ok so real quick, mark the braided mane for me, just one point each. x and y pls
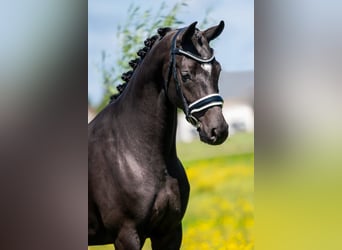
(135, 62)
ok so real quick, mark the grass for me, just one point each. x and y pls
(235, 145)
(220, 213)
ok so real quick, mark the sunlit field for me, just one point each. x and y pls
(220, 213)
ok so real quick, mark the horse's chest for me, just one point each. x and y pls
(167, 205)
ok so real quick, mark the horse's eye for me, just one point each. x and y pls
(185, 76)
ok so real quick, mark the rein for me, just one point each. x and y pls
(201, 104)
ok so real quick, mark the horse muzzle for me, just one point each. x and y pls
(213, 129)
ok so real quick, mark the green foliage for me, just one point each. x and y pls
(140, 24)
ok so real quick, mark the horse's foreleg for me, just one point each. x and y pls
(127, 239)
(169, 241)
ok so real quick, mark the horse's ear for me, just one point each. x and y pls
(189, 32)
(214, 32)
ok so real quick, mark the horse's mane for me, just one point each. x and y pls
(135, 62)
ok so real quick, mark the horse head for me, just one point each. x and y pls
(192, 81)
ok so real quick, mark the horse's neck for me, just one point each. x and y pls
(148, 111)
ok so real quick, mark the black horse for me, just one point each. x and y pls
(138, 188)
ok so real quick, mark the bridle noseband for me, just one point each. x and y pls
(201, 104)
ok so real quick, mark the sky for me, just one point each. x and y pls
(234, 48)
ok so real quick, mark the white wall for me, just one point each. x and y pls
(240, 118)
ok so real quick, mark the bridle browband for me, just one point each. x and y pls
(201, 104)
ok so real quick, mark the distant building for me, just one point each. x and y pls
(238, 115)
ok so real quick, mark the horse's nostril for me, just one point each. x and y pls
(213, 132)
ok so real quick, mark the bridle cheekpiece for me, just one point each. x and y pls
(201, 104)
